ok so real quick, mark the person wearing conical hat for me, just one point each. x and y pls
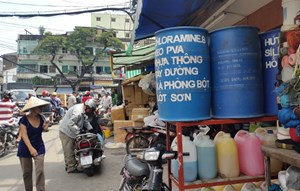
(31, 146)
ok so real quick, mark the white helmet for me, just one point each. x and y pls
(90, 104)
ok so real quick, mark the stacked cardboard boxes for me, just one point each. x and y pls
(133, 95)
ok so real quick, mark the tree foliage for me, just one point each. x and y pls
(82, 43)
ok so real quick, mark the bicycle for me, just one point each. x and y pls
(139, 139)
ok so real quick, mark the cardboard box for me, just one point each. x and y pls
(117, 113)
(138, 94)
(137, 118)
(120, 134)
(128, 93)
(63, 99)
(140, 111)
(138, 123)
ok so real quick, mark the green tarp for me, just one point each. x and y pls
(139, 56)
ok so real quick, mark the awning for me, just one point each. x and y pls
(64, 90)
(40, 90)
(143, 55)
(154, 15)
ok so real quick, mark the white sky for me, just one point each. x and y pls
(10, 27)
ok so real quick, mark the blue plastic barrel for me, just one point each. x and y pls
(270, 56)
(237, 81)
(182, 69)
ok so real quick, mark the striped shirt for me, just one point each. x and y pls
(7, 109)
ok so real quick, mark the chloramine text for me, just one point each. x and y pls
(180, 38)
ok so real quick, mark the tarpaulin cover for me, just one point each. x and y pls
(160, 14)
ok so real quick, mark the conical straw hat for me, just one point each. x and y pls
(34, 102)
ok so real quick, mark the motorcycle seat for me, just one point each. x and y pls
(136, 167)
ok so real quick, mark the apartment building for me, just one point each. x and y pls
(37, 69)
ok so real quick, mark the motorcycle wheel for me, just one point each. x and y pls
(136, 144)
(2, 146)
(122, 185)
(89, 171)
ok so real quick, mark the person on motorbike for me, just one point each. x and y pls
(74, 122)
(86, 96)
(7, 109)
(56, 105)
(47, 110)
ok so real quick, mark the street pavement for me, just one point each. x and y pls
(107, 179)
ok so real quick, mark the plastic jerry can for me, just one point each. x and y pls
(249, 186)
(189, 162)
(227, 155)
(218, 188)
(229, 188)
(260, 132)
(249, 151)
(269, 140)
(238, 187)
(206, 156)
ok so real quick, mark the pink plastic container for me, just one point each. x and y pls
(249, 152)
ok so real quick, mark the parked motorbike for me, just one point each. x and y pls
(88, 152)
(8, 138)
(138, 176)
(135, 172)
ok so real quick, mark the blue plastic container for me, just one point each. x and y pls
(237, 81)
(270, 56)
(206, 156)
(182, 68)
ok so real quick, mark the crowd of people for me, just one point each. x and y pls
(80, 109)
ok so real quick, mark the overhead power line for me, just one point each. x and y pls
(66, 13)
(37, 5)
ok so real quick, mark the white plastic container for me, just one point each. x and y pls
(249, 186)
(229, 188)
(189, 162)
(268, 138)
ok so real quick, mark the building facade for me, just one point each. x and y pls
(120, 23)
(38, 70)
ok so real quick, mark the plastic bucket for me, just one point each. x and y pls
(106, 133)
(237, 82)
(182, 69)
(270, 56)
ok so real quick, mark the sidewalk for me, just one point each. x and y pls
(56, 178)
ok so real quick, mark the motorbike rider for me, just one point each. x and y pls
(74, 122)
(7, 108)
(47, 110)
(86, 96)
(56, 105)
